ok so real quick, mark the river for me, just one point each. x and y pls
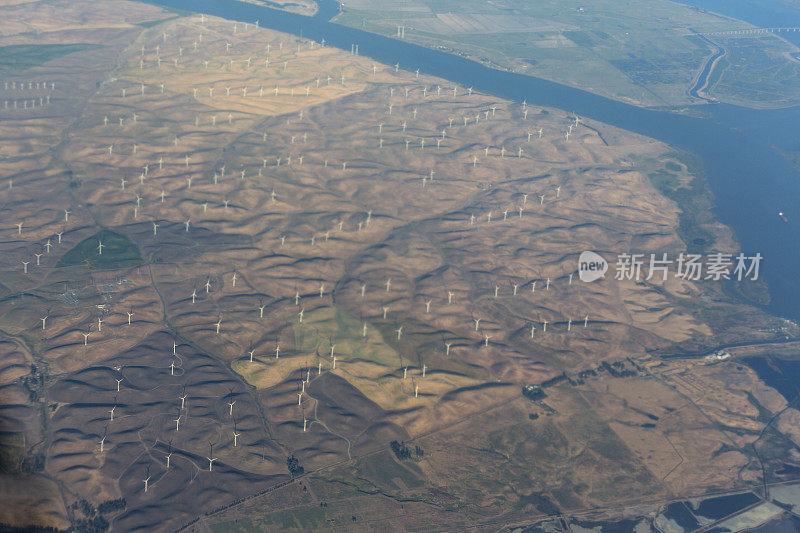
(761, 13)
(750, 179)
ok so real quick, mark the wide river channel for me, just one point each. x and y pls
(750, 179)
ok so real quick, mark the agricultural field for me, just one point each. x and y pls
(772, 70)
(644, 52)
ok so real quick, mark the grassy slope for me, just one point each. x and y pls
(118, 252)
(20, 57)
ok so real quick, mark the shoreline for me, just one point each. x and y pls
(691, 89)
(731, 159)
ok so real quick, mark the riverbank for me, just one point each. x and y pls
(748, 178)
(307, 8)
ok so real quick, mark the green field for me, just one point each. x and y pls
(645, 52)
(771, 80)
(695, 206)
(151, 23)
(332, 325)
(387, 474)
(20, 57)
(118, 252)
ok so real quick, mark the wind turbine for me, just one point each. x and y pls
(211, 458)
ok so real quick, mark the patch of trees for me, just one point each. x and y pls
(33, 463)
(533, 392)
(34, 383)
(403, 452)
(112, 506)
(84, 507)
(293, 464)
(581, 377)
(92, 520)
(96, 524)
(400, 450)
(617, 369)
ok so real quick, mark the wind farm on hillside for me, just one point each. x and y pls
(245, 274)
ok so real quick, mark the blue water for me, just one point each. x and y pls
(702, 79)
(751, 181)
(761, 13)
(679, 513)
(722, 506)
(782, 375)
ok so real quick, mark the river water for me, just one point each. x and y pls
(761, 13)
(750, 179)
